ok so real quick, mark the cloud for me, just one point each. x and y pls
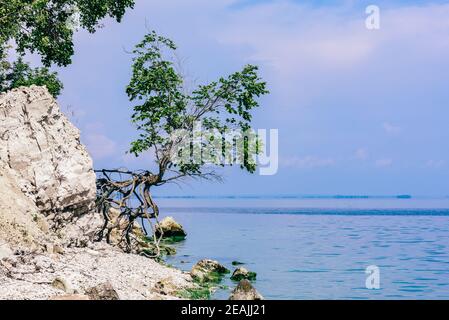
(383, 163)
(146, 159)
(339, 81)
(361, 154)
(308, 49)
(390, 128)
(100, 146)
(307, 162)
(435, 164)
(290, 35)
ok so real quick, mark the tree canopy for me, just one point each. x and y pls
(164, 106)
(46, 28)
(166, 114)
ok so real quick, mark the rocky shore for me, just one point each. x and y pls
(77, 273)
(47, 215)
(49, 223)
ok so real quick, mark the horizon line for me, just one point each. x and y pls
(302, 196)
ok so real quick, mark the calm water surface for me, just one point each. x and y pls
(321, 251)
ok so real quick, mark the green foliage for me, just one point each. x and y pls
(173, 239)
(250, 276)
(159, 86)
(21, 74)
(164, 105)
(200, 293)
(46, 27)
(204, 286)
(165, 250)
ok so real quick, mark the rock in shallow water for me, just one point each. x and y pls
(208, 271)
(169, 228)
(242, 273)
(245, 291)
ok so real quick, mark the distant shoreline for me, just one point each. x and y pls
(313, 211)
(404, 197)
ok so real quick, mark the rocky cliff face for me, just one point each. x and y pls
(47, 173)
(18, 217)
(43, 149)
(47, 192)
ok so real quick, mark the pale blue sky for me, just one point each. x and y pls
(358, 111)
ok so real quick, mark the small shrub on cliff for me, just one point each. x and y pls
(21, 74)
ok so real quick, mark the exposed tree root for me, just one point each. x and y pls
(129, 193)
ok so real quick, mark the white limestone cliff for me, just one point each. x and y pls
(47, 175)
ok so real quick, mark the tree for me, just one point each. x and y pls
(46, 27)
(21, 74)
(166, 114)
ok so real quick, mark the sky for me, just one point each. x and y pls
(359, 112)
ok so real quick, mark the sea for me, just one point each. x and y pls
(320, 247)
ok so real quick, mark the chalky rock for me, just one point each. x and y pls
(46, 175)
(43, 150)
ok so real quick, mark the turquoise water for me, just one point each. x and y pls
(320, 248)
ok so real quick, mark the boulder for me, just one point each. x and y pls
(18, 227)
(43, 149)
(208, 271)
(46, 174)
(242, 273)
(54, 248)
(169, 228)
(165, 287)
(245, 291)
(140, 243)
(103, 291)
(5, 251)
(62, 284)
(82, 230)
(117, 225)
